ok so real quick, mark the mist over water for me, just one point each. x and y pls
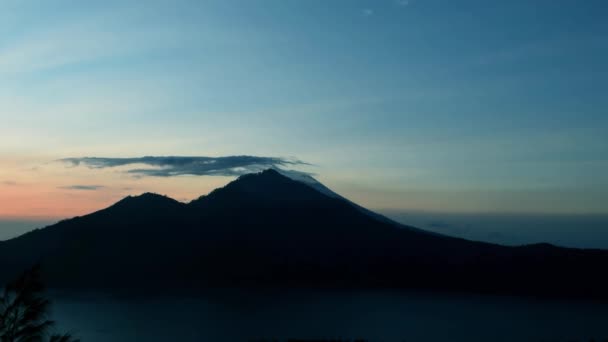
(13, 228)
(579, 231)
(231, 315)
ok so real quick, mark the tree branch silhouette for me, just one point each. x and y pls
(24, 311)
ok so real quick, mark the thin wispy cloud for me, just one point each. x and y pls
(367, 12)
(106, 35)
(73, 44)
(171, 166)
(82, 187)
(403, 3)
(9, 183)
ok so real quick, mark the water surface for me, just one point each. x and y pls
(375, 316)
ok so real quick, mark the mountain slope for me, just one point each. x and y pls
(310, 181)
(267, 229)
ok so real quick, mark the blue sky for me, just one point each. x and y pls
(452, 106)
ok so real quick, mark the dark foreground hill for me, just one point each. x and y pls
(267, 230)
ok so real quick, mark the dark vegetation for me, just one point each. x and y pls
(309, 340)
(267, 230)
(24, 311)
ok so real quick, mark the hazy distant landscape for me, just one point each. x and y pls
(13, 228)
(581, 231)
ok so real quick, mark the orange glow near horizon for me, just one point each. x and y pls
(48, 202)
(43, 191)
(31, 190)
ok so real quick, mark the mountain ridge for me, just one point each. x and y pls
(266, 229)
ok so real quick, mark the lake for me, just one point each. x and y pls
(373, 315)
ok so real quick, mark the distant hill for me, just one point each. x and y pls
(269, 230)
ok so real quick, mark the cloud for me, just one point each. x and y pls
(9, 183)
(368, 12)
(170, 166)
(82, 187)
(402, 3)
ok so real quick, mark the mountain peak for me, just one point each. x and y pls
(147, 196)
(267, 174)
(271, 172)
(147, 199)
(268, 186)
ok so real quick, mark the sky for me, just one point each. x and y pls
(419, 105)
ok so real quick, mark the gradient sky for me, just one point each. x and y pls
(451, 106)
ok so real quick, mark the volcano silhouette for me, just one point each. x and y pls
(269, 230)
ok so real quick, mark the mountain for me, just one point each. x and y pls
(269, 230)
(310, 181)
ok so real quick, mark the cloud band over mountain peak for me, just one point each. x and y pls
(170, 166)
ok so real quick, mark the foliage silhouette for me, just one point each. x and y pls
(24, 311)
